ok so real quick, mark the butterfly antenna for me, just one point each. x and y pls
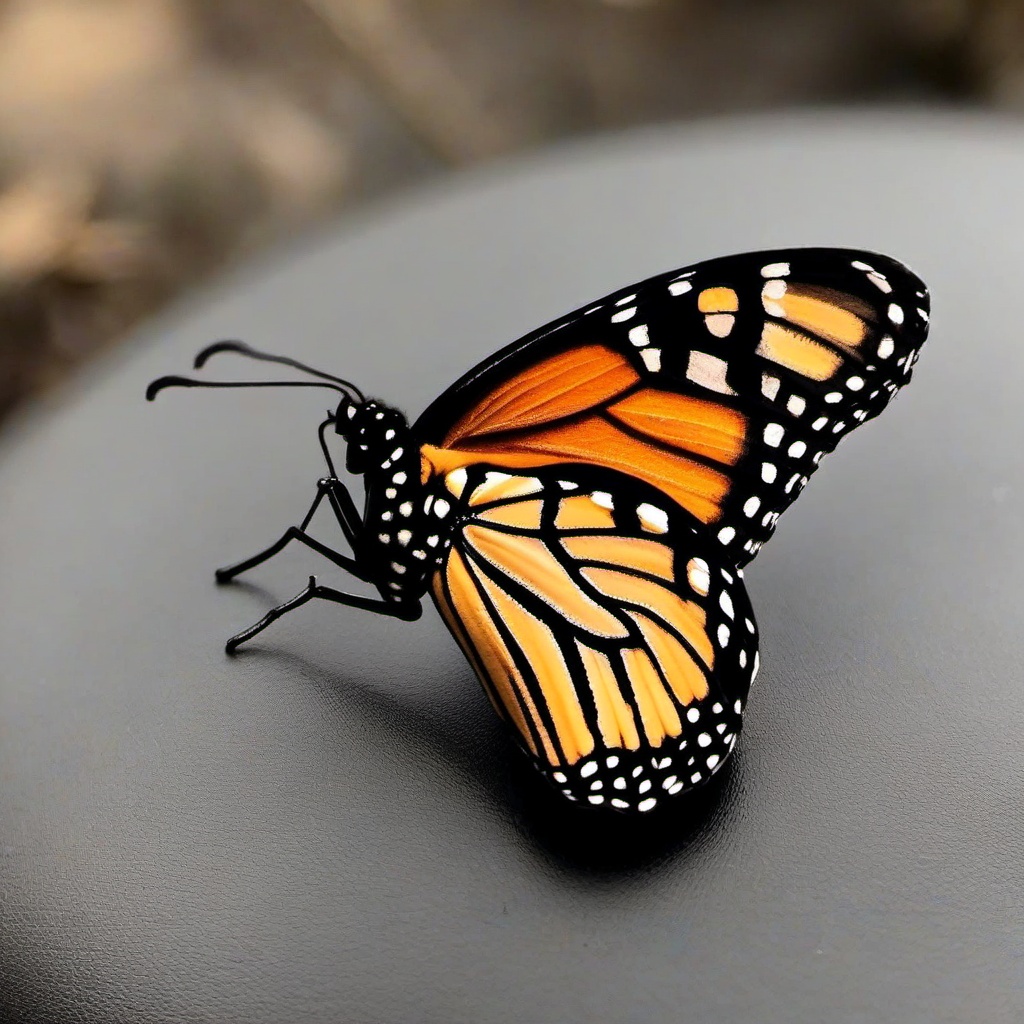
(187, 382)
(242, 349)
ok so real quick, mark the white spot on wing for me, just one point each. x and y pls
(652, 518)
(708, 371)
(623, 314)
(639, 335)
(720, 324)
(652, 359)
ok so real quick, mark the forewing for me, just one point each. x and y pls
(724, 385)
(606, 627)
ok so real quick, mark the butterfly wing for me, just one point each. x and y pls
(724, 384)
(605, 626)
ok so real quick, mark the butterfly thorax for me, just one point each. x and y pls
(407, 530)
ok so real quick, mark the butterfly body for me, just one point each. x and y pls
(580, 505)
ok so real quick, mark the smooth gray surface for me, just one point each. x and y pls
(331, 827)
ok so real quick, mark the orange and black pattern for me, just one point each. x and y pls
(603, 625)
(724, 384)
(581, 505)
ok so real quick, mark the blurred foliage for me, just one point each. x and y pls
(145, 144)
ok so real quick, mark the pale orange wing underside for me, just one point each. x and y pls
(586, 638)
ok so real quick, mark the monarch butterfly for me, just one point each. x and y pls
(580, 505)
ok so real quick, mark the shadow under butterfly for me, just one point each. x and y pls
(581, 505)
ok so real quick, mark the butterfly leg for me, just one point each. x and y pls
(348, 519)
(407, 610)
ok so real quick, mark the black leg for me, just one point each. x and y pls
(404, 610)
(348, 519)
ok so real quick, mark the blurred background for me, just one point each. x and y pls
(148, 145)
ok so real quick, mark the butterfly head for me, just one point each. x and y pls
(378, 436)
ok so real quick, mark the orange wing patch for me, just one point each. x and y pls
(833, 316)
(552, 389)
(488, 653)
(584, 406)
(696, 486)
(798, 351)
(704, 428)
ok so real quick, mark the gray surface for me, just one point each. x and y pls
(332, 828)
